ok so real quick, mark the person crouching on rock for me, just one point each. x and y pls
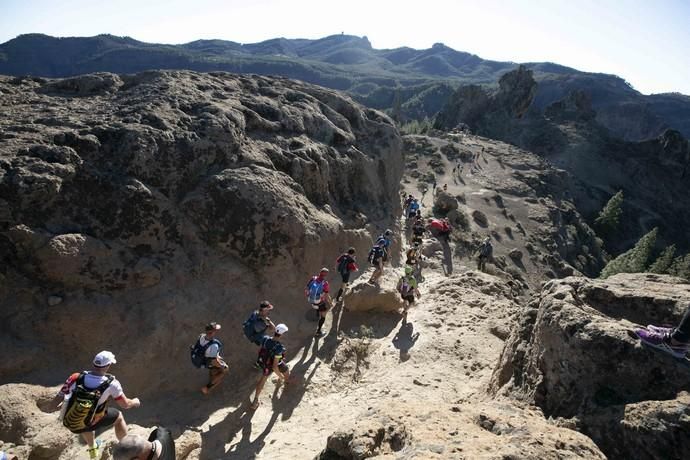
(407, 287)
(317, 295)
(345, 264)
(159, 446)
(273, 360)
(674, 341)
(217, 368)
(85, 397)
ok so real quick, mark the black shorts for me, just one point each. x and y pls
(111, 414)
(268, 370)
(376, 263)
(323, 306)
(345, 277)
(409, 298)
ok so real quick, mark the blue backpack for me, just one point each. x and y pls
(198, 352)
(414, 206)
(249, 329)
(314, 291)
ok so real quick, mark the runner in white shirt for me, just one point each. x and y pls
(104, 416)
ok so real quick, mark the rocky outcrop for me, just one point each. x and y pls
(569, 134)
(163, 200)
(483, 430)
(574, 356)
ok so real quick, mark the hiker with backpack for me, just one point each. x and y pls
(384, 241)
(412, 208)
(418, 230)
(159, 446)
(414, 257)
(345, 264)
(485, 251)
(376, 255)
(258, 324)
(272, 360)
(406, 204)
(439, 228)
(407, 287)
(207, 353)
(318, 297)
(84, 398)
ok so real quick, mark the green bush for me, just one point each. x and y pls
(609, 218)
(662, 264)
(634, 260)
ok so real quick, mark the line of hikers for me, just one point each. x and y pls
(84, 396)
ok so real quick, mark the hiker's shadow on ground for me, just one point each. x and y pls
(405, 339)
(284, 400)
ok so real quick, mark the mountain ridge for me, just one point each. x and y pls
(417, 81)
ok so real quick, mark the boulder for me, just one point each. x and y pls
(368, 297)
(573, 355)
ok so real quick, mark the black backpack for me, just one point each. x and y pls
(198, 352)
(375, 254)
(83, 404)
(343, 261)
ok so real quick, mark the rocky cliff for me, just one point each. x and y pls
(652, 173)
(573, 355)
(158, 201)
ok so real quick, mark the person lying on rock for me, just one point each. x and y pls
(160, 446)
(273, 360)
(217, 367)
(674, 341)
(84, 400)
(407, 287)
(317, 293)
(345, 264)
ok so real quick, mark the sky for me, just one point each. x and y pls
(643, 41)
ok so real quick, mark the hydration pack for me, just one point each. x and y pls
(198, 352)
(314, 291)
(83, 404)
(343, 261)
(375, 254)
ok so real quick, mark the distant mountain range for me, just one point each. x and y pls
(409, 83)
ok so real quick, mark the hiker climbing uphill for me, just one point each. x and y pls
(85, 396)
(376, 254)
(159, 446)
(384, 241)
(345, 264)
(406, 204)
(486, 251)
(259, 324)
(674, 341)
(207, 353)
(317, 293)
(412, 208)
(407, 287)
(439, 228)
(418, 230)
(272, 360)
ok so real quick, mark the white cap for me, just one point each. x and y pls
(281, 329)
(104, 359)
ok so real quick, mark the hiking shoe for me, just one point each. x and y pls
(661, 341)
(660, 329)
(319, 334)
(94, 451)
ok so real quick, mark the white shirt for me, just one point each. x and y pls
(212, 350)
(92, 381)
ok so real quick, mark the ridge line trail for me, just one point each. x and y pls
(451, 361)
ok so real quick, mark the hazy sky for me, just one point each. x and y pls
(644, 41)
